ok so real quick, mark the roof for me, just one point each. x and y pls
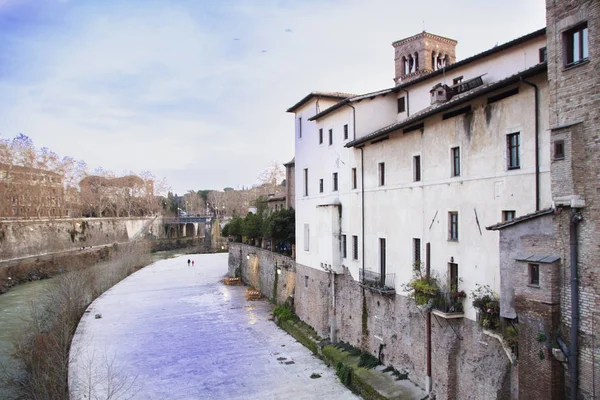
(423, 34)
(402, 86)
(324, 95)
(546, 258)
(350, 100)
(514, 221)
(293, 162)
(277, 197)
(453, 102)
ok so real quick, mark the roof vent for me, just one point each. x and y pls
(441, 93)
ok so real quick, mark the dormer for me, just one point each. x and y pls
(441, 93)
(421, 54)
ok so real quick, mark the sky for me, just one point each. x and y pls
(196, 91)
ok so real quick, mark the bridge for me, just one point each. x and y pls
(175, 227)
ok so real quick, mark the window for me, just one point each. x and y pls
(335, 181)
(345, 131)
(330, 137)
(321, 136)
(455, 151)
(416, 253)
(576, 44)
(300, 127)
(508, 215)
(559, 150)
(401, 105)
(417, 168)
(306, 181)
(354, 247)
(381, 174)
(344, 249)
(543, 54)
(306, 237)
(453, 274)
(305, 280)
(534, 274)
(453, 226)
(320, 185)
(512, 144)
(354, 180)
(457, 80)
(382, 259)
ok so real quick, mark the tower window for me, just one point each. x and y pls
(576, 44)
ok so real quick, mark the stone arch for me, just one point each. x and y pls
(172, 231)
(190, 230)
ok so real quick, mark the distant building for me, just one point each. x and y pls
(290, 186)
(276, 202)
(31, 193)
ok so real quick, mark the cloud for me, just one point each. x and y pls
(137, 85)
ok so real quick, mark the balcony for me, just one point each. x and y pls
(375, 282)
(448, 304)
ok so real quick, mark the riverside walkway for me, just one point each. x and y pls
(170, 331)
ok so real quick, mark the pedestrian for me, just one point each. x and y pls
(189, 262)
(192, 263)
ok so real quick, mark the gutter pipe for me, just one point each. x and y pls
(576, 218)
(362, 207)
(537, 150)
(428, 381)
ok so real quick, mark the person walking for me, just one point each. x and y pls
(189, 262)
(192, 263)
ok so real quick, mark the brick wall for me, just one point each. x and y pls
(575, 99)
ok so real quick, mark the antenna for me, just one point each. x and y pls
(423, 25)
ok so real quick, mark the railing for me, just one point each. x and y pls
(376, 282)
(448, 303)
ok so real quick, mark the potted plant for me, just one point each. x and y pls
(487, 302)
(422, 289)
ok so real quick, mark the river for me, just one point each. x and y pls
(16, 306)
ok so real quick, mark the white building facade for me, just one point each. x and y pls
(431, 162)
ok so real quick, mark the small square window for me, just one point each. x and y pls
(306, 237)
(306, 181)
(355, 247)
(321, 136)
(305, 281)
(320, 185)
(534, 274)
(335, 181)
(346, 132)
(559, 150)
(330, 137)
(343, 244)
(300, 127)
(401, 105)
(416, 253)
(354, 179)
(575, 43)
(381, 174)
(508, 215)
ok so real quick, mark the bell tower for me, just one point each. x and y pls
(421, 54)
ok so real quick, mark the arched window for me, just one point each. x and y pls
(416, 62)
(433, 62)
(405, 65)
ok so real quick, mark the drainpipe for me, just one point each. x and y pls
(576, 218)
(353, 120)
(362, 207)
(407, 102)
(537, 151)
(428, 381)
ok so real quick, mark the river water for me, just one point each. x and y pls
(16, 306)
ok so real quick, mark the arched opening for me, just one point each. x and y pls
(433, 63)
(416, 62)
(405, 65)
(172, 233)
(190, 230)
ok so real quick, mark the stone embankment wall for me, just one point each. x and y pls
(258, 268)
(23, 238)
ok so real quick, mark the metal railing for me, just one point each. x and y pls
(447, 303)
(374, 280)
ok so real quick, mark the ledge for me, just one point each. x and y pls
(452, 315)
(382, 291)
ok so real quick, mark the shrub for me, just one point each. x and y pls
(368, 361)
(487, 302)
(422, 289)
(284, 313)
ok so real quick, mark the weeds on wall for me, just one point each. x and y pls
(45, 350)
(487, 302)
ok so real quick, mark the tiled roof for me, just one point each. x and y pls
(327, 95)
(514, 221)
(453, 102)
(350, 100)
